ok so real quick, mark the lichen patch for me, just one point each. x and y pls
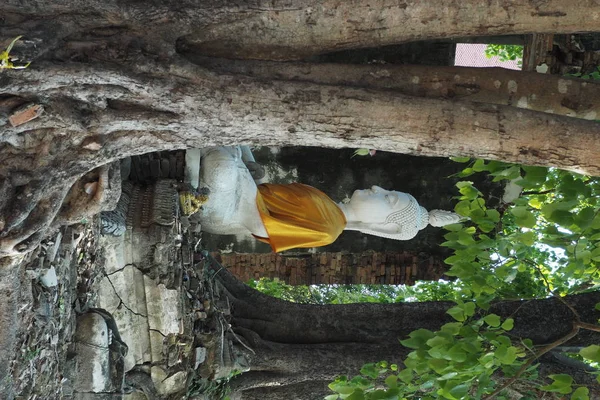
(563, 86)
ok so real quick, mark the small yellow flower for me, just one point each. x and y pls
(5, 60)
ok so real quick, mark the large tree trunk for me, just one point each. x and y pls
(530, 90)
(295, 29)
(296, 343)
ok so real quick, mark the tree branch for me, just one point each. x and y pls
(589, 327)
(577, 325)
(530, 361)
(485, 85)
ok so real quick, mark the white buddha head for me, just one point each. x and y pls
(391, 214)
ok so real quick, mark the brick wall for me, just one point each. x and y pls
(329, 268)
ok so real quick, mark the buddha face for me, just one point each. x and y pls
(374, 205)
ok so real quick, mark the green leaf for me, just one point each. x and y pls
(461, 159)
(453, 327)
(417, 339)
(406, 375)
(585, 217)
(453, 228)
(469, 309)
(371, 370)
(581, 393)
(440, 351)
(463, 208)
(360, 152)
(454, 390)
(468, 191)
(457, 313)
(591, 353)
(332, 397)
(562, 218)
(512, 172)
(506, 355)
(493, 215)
(528, 238)
(492, 320)
(437, 341)
(460, 391)
(457, 353)
(462, 311)
(487, 360)
(479, 165)
(562, 384)
(358, 394)
(342, 387)
(535, 175)
(389, 394)
(361, 382)
(438, 365)
(391, 381)
(523, 217)
(508, 324)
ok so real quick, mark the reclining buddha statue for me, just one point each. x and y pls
(296, 215)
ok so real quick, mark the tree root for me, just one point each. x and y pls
(98, 190)
(29, 221)
(140, 381)
(29, 211)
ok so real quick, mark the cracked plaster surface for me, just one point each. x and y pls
(145, 312)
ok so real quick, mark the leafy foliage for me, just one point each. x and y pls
(451, 363)
(347, 294)
(544, 242)
(594, 75)
(505, 52)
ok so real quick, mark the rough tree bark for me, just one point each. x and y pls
(299, 343)
(269, 33)
(294, 29)
(530, 90)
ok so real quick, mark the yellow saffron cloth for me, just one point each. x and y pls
(298, 215)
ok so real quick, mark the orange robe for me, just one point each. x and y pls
(298, 215)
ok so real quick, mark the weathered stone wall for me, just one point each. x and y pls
(335, 267)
